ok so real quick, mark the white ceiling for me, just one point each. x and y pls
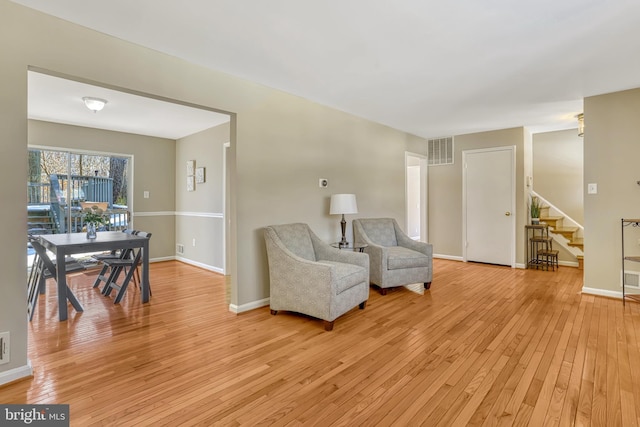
(428, 67)
(59, 100)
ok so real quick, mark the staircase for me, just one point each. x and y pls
(569, 235)
(39, 220)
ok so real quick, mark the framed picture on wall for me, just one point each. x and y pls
(191, 165)
(191, 185)
(200, 175)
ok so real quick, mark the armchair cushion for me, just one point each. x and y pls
(296, 238)
(380, 231)
(401, 257)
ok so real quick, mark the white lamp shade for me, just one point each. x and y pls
(343, 204)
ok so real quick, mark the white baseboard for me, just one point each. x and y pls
(450, 257)
(16, 374)
(568, 263)
(602, 292)
(162, 259)
(249, 306)
(199, 264)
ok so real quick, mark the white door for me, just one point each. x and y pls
(489, 205)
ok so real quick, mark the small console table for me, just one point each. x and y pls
(540, 252)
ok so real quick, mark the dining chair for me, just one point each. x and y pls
(128, 265)
(124, 253)
(42, 269)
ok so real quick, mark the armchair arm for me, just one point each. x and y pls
(407, 242)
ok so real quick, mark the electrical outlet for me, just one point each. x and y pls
(323, 183)
(146, 194)
(5, 348)
(180, 248)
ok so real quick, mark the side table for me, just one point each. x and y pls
(354, 247)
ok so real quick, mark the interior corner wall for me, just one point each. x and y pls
(199, 213)
(558, 171)
(281, 145)
(611, 153)
(154, 173)
(445, 192)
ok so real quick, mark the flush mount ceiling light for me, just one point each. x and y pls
(580, 118)
(94, 104)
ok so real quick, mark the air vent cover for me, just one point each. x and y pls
(441, 151)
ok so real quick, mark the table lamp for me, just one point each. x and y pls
(342, 204)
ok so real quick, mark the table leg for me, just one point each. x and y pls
(144, 294)
(61, 279)
(64, 293)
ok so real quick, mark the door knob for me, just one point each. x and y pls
(507, 213)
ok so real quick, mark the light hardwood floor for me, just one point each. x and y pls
(486, 346)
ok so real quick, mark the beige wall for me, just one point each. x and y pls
(200, 212)
(280, 146)
(611, 153)
(558, 159)
(154, 173)
(445, 191)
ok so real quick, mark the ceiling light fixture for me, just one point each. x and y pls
(580, 118)
(94, 104)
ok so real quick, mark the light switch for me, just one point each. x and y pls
(592, 188)
(146, 194)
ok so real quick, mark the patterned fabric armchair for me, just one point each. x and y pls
(395, 258)
(308, 276)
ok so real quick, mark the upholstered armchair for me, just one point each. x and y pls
(308, 276)
(395, 259)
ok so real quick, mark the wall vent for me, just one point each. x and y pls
(440, 151)
(631, 279)
(180, 248)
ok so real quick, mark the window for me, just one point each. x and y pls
(62, 183)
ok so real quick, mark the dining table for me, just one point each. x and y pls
(63, 245)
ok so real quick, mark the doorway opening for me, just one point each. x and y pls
(416, 175)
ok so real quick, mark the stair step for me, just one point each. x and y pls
(553, 221)
(577, 243)
(567, 232)
(580, 262)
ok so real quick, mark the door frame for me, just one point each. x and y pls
(424, 202)
(512, 149)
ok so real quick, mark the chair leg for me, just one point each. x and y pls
(123, 287)
(383, 291)
(274, 312)
(362, 305)
(100, 276)
(328, 326)
(427, 285)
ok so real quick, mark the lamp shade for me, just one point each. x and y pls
(343, 204)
